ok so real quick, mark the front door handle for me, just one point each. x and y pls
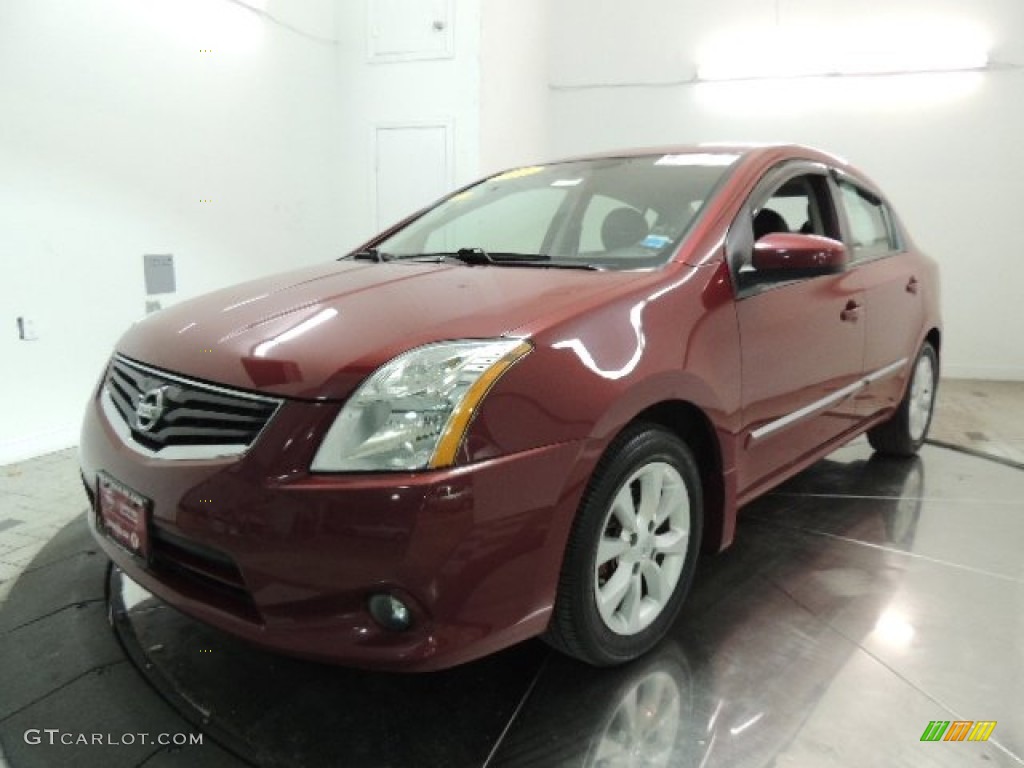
(913, 285)
(852, 312)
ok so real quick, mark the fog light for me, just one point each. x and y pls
(390, 612)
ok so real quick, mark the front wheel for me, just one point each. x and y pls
(904, 433)
(632, 551)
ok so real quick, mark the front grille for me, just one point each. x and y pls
(174, 417)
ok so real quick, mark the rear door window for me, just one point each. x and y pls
(872, 229)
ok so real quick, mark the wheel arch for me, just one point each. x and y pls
(934, 337)
(693, 426)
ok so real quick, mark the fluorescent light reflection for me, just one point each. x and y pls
(263, 348)
(577, 346)
(244, 302)
(700, 159)
(636, 324)
(737, 730)
(894, 629)
(132, 594)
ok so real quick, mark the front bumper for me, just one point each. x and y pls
(258, 547)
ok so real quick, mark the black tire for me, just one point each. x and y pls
(905, 432)
(643, 452)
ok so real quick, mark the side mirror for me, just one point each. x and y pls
(790, 252)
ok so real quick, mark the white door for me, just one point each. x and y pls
(413, 169)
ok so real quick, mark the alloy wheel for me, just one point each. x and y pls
(922, 395)
(642, 549)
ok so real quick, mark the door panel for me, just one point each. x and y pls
(802, 348)
(894, 314)
(894, 311)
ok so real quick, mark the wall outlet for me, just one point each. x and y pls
(27, 329)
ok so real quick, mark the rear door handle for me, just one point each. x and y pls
(913, 285)
(852, 312)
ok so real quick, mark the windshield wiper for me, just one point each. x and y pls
(477, 256)
(369, 254)
(473, 256)
(465, 255)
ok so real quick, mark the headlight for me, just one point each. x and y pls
(412, 413)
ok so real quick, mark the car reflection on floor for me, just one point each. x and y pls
(747, 661)
(819, 638)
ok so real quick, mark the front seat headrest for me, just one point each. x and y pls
(622, 228)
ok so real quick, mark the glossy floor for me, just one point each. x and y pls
(861, 601)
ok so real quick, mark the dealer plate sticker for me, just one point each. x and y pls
(124, 515)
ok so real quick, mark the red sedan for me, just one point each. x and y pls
(522, 411)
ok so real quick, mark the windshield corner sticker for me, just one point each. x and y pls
(655, 241)
(518, 173)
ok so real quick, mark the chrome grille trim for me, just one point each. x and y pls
(199, 420)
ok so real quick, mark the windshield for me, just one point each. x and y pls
(612, 213)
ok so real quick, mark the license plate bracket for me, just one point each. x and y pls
(123, 515)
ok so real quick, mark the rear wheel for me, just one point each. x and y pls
(632, 550)
(905, 432)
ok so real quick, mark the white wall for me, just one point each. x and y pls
(513, 83)
(945, 148)
(119, 117)
(116, 123)
(442, 90)
(114, 126)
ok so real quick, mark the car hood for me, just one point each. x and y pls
(317, 332)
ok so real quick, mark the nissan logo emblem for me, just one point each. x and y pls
(150, 409)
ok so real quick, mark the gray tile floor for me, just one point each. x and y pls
(986, 416)
(38, 497)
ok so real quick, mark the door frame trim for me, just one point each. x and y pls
(819, 405)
